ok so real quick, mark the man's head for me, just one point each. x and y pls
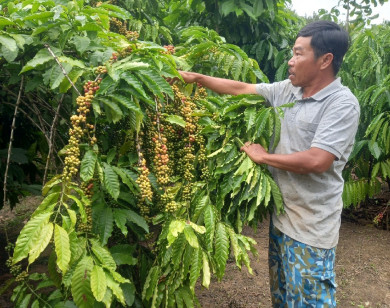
(327, 37)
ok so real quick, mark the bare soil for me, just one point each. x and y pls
(362, 267)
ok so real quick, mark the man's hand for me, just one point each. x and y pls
(255, 152)
(188, 77)
(314, 160)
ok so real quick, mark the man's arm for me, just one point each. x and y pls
(219, 85)
(314, 160)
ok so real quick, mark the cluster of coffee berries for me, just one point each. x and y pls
(200, 93)
(79, 127)
(113, 58)
(14, 269)
(186, 110)
(144, 185)
(86, 227)
(121, 28)
(168, 202)
(202, 158)
(124, 52)
(102, 69)
(9, 248)
(161, 160)
(22, 276)
(87, 189)
(189, 159)
(170, 49)
(187, 192)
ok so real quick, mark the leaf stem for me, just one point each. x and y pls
(51, 137)
(62, 69)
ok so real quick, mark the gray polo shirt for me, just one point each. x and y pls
(328, 120)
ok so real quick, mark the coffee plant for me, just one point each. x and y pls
(153, 191)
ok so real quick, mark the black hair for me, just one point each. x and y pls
(327, 36)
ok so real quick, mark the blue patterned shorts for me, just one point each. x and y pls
(300, 275)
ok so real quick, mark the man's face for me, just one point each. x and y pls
(303, 66)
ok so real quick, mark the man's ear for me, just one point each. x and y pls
(326, 60)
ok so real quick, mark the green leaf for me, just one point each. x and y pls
(122, 13)
(29, 236)
(276, 195)
(150, 83)
(25, 301)
(129, 293)
(103, 223)
(81, 284)
(111, 181)
(73, 75)
(150, 283)
(175, 228)
(39, 16)
(41, 242)
(177, 251)
(221, 249)
(103, 255)
(120, 218)
(374, 149)
(43, 56)
(126, 102)
(137, 219)
(53, 181)
(98, 283)
(246, 165)
(206, 271)
(115, 288)
(175, 119)
(126, 178)
(197, 228)
(209, 221)
(62, 248)
(47, 204)
(88, 164)
(126, 65)
(135, 83)
(112, 109)
(72, 62)
(81, 43)
(123, 254)
(191, 237)
(81, 206)
(196, 266)
(9, 49)
(5, 21)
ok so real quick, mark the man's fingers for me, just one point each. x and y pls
(171, 81)
(245, 146)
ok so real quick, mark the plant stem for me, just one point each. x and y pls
(63, 69)
(11, 139)
(51, 137)
(37, 296)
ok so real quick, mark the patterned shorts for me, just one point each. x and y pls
(300, 275)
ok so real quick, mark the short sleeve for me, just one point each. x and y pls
(274, 93)
(337, 128)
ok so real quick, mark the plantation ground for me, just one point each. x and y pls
(363, 267)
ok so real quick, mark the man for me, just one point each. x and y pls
(317, 136)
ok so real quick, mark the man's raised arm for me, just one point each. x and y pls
(219, 85)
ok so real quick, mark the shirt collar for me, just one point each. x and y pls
(320, 95)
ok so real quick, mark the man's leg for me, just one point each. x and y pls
(276, 272)
(300, 275)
